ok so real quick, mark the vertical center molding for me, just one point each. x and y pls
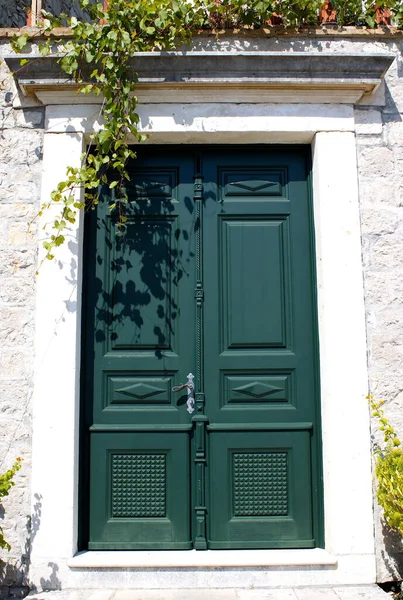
(200, 419)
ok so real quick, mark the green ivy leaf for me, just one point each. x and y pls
(19, 42)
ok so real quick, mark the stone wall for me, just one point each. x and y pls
(380, 160)
(20, 173)
(379, 129)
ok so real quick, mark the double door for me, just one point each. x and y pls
(200, 401)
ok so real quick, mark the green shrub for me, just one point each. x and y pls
(6, 482)
(389, 470)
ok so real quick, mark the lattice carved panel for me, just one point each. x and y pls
(139, 485)
(260, 484)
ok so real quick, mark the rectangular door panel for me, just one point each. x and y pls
(254, 274)
(140, 493)
(260, 497)
(143, 295)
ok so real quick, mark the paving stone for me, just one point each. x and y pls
(101, 595)
(206, 594)
(259, 594)
(144, 595)
(316, 594)
(370, 592)
(60, 595)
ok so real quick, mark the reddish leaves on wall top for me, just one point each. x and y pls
(327, 13)
(382, 15)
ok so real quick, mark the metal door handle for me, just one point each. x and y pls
(191, 392)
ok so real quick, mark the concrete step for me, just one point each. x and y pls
(363, 592)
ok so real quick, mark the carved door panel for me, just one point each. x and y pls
(211, 273)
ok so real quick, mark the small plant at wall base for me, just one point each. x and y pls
(6, 483)
(389, 470)
(119, 29)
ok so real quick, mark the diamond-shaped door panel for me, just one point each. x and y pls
(133, 390)
(140, 390)
(158, 183)
(254, 185)
(256, 388)
(259, 182)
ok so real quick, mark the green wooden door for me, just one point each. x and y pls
(212, 274)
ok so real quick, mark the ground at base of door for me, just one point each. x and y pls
(363, 592)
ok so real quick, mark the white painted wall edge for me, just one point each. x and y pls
(57, 365)
(342, 339)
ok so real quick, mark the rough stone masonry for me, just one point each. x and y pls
(20, 173)
(379, 130)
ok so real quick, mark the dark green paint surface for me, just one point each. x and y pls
(213, 274)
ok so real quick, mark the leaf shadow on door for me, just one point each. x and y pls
(142, 263)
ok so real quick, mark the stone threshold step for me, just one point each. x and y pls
(93, 559)
(347, 592)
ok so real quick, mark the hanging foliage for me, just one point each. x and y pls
(107, 43)
(119, 29)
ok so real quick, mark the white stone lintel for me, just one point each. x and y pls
(271, 122)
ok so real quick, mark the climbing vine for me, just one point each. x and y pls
(119, 29)
(107, 43)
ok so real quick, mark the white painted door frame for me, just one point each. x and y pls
(348, 556)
